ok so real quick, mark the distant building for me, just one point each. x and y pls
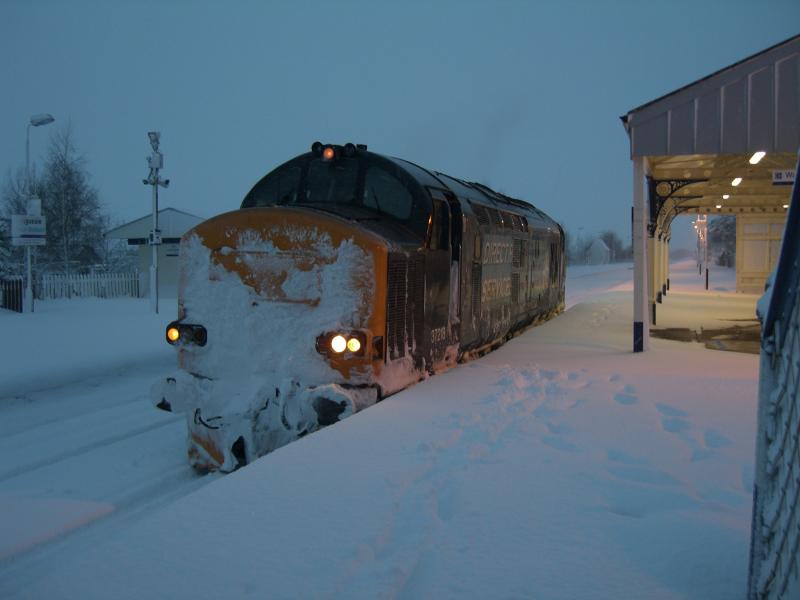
(173, 223)
(598, 253)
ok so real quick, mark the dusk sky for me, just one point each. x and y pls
(523, 96)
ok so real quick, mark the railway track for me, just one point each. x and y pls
(97, 443)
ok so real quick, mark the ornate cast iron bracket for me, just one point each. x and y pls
(661, 190)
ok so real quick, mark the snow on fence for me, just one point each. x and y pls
(775, 540)
(100, 285)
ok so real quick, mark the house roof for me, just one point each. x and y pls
(172, 222)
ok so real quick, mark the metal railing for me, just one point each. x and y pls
(775, 539)
(11, 291)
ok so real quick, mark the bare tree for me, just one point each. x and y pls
(14, 203)
(75, 220)
(614, 243)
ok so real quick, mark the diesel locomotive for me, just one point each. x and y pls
(345, 276)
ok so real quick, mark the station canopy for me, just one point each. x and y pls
(699, 139)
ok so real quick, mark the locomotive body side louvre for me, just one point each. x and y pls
(405, 308)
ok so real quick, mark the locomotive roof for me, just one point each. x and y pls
(475, 193)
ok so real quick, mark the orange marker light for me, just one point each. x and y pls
(173, 334)
(327, 154)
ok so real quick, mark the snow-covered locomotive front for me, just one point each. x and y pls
(291, 325)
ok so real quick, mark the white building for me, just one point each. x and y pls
(173, 223)
(598, 253)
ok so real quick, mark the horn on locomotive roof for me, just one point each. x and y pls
(349, 148)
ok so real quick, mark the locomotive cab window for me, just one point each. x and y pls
(331, 182)
(387, 194)
(278, 187)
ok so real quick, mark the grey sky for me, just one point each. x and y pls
(524, 96)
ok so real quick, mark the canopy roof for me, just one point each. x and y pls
(697, 139)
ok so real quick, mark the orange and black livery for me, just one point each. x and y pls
(391, 272)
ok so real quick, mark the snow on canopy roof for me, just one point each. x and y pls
(751, 105)
(172, 222)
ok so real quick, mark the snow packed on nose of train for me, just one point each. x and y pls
(346, 276)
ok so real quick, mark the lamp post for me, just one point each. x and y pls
(35, 121)
(156, 162)
(701, 225)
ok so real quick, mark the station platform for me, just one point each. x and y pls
(720, 318)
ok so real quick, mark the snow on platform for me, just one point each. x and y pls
(689, 304)
(560, 466)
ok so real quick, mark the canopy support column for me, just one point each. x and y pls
(658, 259)
(641, 320)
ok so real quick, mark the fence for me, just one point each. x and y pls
(775, 540)
(100, 285)
(11, 290)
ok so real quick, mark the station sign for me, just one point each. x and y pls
(28, 230)
(783, 177)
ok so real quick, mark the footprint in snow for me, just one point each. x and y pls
(714, 439)
(624, 458)
(675, 424)
(670, 411)
(550, 374)
(642, 475)
(446, 502)
(625, 398)
(559, 443)
(558, 428)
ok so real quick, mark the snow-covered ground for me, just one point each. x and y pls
(559, 466)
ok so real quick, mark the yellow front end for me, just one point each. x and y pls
(290, 307)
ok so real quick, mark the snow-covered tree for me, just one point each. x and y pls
(722, 239)
(13, 194)
(75, 220)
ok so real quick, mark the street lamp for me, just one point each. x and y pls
(701, 225)
(35, 121)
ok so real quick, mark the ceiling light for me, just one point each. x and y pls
(719, 205)
(785, 206)
(736, 181)
(725, 196)
(757, 157)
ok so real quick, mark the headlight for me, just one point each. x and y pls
(185, 333)
(344, 343)
(338, 344)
